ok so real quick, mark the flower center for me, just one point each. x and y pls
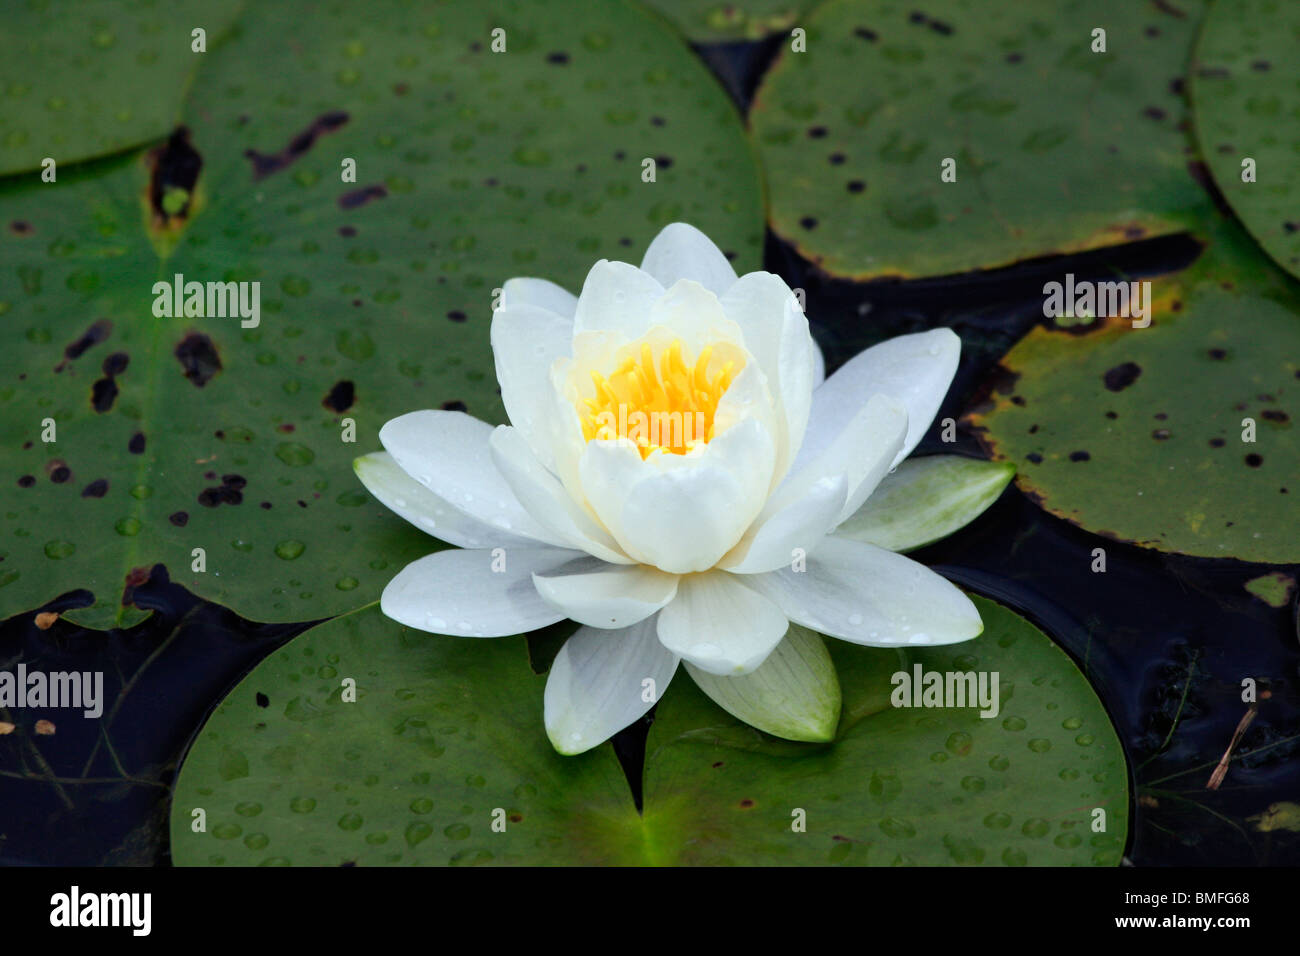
(666, 407)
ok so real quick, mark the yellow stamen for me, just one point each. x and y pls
(665, 405)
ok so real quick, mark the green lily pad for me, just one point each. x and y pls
(1138, 434)
(79, 81)
(375, 295)
(1058, 149)
(1247, 106)
(712, 21)
(1274, 589)
(445, 738)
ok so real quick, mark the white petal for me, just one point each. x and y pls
(541, 293)
(542, 496)
(927, 499)
(616, 298)
(776, 333)
(681, 251)
(680, 513)
(448, 453)
(401, 493)
(719, 625)
(862, 452)
(463, 593)
(596, 685)
(802, 523)
(794, 694)
(867, 595)
(913, 369)
(526, 341)
(606, 596)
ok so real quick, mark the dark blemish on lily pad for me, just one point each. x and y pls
(456, 315)
(816, 132)
(26, 481)
(1218, 354)
(664, 162)
(1014, 57)
(359, 197)
(340, 397)
(102, 394)
(347, 232)
(453, 406)
(136, 444)
(836, 159)
(1034, 457)
(96, 489)
(116, 364)
(808, 222)
(856, 186)
(20, 227)
(1121, 376)
(99, 330)
(263, 700)
(558, 58)
(1254, 460)
(264, 164)
(1217, 442)
(199, 358)
(173, 166)
(1080, 456)
(1160, 434)
(871, 36)
(1275, 415)
(179, 518)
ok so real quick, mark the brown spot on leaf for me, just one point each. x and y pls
(1121, 376)
(136, 445)
(179, 518)
(58, 471)
(99, 330)
(198, 357)
(341, 396)
(174, 165)
(1080, 456)
(102, 394)
(20, 227)
(359, 197)
(264, 164)
(96, 489)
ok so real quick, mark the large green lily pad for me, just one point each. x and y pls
(1058, 149)
(1138, 434)
(1247, 106)
(471, 167)
(445, 736)
(80, 80)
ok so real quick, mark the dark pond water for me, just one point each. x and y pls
(1164, 639)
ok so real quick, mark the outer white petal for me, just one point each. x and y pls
(542, 496)
(862, 452)
(867, 595)
(776, 333)
(605, 596)
(794, 694)
(460, 592)
(616, 297)
(802, 523)
(914, 369)
(719, 625)
(595, 685)
(448, 453)
(526, 341)
(401, 493)
(539, 292)
(681, 251)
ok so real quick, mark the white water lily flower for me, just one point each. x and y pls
(672, 479)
